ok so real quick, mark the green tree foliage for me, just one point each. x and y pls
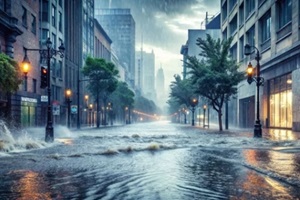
(216, 76)
(145, 105)
(122, 97)
(10, 74)
(102, 77)
(182, 90)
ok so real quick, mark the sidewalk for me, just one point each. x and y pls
(269, 133)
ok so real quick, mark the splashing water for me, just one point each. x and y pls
(10, 144)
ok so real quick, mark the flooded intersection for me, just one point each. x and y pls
(150, 161)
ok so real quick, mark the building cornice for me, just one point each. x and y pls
(287, 54)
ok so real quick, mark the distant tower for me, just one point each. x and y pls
(120, 26)
(160, 83)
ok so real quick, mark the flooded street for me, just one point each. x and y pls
(158, 160)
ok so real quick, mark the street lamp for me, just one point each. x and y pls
(47, 53)
(26, 66)
(91, 114)
(68, 100)
(194, 102)
(259, 82)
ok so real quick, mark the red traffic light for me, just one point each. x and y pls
(44, 75)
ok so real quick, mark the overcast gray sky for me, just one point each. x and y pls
(164, 25)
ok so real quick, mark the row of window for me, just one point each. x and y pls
(283, 15)
(32, 20)
(44, 14)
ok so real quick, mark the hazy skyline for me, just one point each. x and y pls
(163, 25)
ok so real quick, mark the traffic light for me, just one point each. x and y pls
(44, 74)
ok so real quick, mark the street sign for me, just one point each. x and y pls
(73, 109)
(56, 109)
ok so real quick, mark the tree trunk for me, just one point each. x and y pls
(220, 120)
(98, 109)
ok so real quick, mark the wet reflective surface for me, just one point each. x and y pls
(149, 161)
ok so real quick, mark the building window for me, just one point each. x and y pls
(241, 48)
(45, 35)
(3, 5)
(53, 67)
(233, 52)
(241, 14)
(60, 21)
(233, 25)
(224, 11)
(260, 2)
(284, 12)
(53, 41)
(224, 34)
(231, 4)
(24, 17)
(34, 85)
(265, 32)
(280, 101)
(250, 6)
(60, 3)
(251, 36)
(33, 24)
(59, 69)
(53, 15)
(45, 11)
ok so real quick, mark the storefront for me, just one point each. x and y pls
(280, 102)
(28, 111)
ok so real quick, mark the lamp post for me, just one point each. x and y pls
(47, 53)
(125, 116)
(68, 100)
(204, 109)
(184, 114)
(194, 102)
(259, 81)
(91, 114)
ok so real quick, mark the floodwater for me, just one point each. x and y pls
(158, 160)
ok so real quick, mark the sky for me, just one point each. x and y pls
(163, 25)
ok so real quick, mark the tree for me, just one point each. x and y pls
(182, 90)
(102, 80)
(216, 76)
(10, 79)
(146, 106)
(10, 74)
(122, 97)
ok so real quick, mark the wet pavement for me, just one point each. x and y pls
(157, 160)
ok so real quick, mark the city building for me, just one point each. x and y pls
(102, 42)
(51, 23)
(160, 87)
(120, 26)
(212, 27)
(79, 43)
(146, 74)
(19, 27)
(273, 28)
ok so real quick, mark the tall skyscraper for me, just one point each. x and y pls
(120, 26)
(79, 43)
(147, 73)
(160, 86)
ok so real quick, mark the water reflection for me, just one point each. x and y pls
(282, 135)
(275, 163)
(261, 187)
(30, 186)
